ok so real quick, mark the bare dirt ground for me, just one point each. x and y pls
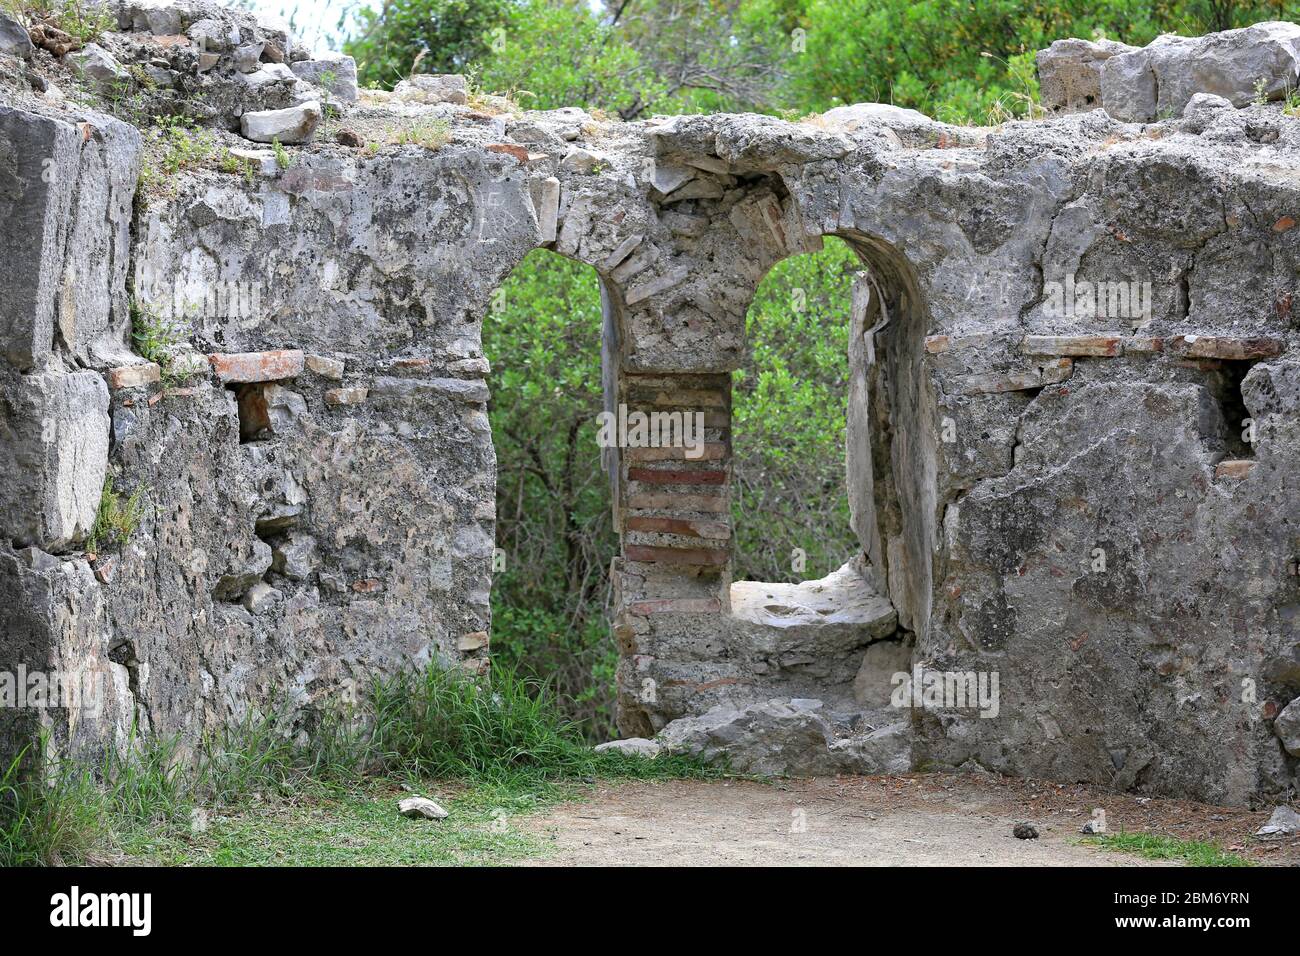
(911, 819)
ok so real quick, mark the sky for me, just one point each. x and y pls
(315, 22)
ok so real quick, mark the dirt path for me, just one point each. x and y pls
(939, 819)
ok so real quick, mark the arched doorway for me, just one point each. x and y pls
(698, 642)
(790, 502)
(554, 543)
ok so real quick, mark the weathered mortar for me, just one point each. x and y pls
(995, 446)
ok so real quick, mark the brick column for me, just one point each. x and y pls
(674, 575)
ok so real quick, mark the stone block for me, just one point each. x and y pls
(325, 367)
(1234, 468)
(1069, 73)
(697, 556)
(335, 73)
(54, 457)
(658, 476)
(1073, 345)
(346, 396)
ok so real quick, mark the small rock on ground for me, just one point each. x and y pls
(1283, 822)
(637, 746)
(421, 808)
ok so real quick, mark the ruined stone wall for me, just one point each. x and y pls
(1060, 496)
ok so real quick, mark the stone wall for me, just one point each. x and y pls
(1054, 492)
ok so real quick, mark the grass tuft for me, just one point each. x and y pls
(432, 134)
(116, 519)
(53, 822)
(1154, 846)
(158, 339)
(174, 144)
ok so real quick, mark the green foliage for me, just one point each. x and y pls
(443, 724)
(49, 823)
(573, 651)
(1292, 100)
(634, 59)
(238, 166)
(788, 419)
(1154, 846)
(154, 337)
(446, 36)
(326, 81)
(543, 338)
(564, 55)
(1261, 92)
(184, 144)
(959, 61)
(931, 54)
(83, 20)
(171, 145)
(116, 518)
(282, 158)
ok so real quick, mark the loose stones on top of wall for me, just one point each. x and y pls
(242, 62)
(1140, 85)
(291, 126)
(1069, 73)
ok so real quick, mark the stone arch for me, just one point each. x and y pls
(888, 394)
(683, 650)
(891, 428)
(550, 471)
(790, 502)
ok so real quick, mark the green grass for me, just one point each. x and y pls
(489, 750)
(59, 822)
(282, 158)
(355, 826)
(432, 134)
(174, 144)
(1154, 846)
(154, 337)
(116, 519)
